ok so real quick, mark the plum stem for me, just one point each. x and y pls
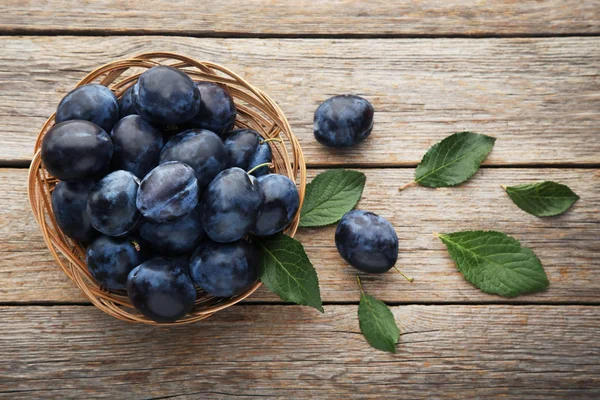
(270, 165)
(407, 185)
(411, 280)
(359, 284)
(503, 187)
(273, 139)
(136, 245)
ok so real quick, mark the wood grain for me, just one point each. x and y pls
(288, 352)
(567, 245)
(539, 97)
(303, 17)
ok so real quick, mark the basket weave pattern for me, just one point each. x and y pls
(255, 110)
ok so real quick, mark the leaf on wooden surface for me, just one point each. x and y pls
(377, 323)
(330, 195)
(287, 271)
(496, 263)
(453, 160)
(542, 199)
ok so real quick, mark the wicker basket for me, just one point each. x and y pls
(255, 110)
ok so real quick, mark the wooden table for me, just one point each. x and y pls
(525, 72)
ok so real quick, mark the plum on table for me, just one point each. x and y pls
(367, 241)
(343, 121)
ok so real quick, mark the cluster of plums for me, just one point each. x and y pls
(163, 212)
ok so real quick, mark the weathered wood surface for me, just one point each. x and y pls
(539, 96)
(567, 245)
(304, 17)
(525, 352)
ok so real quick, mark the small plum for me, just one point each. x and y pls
(279, 206)
(76, 150)
(230, 205)
(111, 204)
(343, 121)
(161, 290)
(217, 109)
(241, 146)
(92, 102)
(367, 241)
(69, 202)
(225, 270)
(178, 236)
(262, 155)
(126, 103)
(166, 96)
(137, 145)
(168, 192)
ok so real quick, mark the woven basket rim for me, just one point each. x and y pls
(256, 110)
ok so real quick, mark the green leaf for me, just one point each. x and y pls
(496, 263)
(287, 271)
(542, 199)
(453, 160)
(377, 323)
(331, 195)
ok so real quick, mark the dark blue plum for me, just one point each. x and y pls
(111, 204)
(166, 96)
(94, 103)
(202, 150)
(168, 192)
(217, 109)
(69, 202)
(179, 236)
(161, 290)
(263, 154)
(343, 121)
(230, 205)
(367, 241)
(137, 145)
(76, 150)
(181, 260)
(225, 270)
(241, 146)
(279, 206)
(110, 260)
(126, 103)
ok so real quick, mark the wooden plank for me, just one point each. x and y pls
(567, 245)
(526, 352)
(539, 97)
(304, 17)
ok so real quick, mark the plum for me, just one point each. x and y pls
(217, 109)
(168, 192)
(161, 290)
(110, 260)
(201, 149)
(92, 102)
(137, 145)
(367, 241)
(126, 103)
(166, 96)
(279, 206)
(69, 202)
(343, 121)
(241, 146)
(262, 155)
(178, 236)
(76, 150)
(225, 270)
(230, 205)
(111, 204)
